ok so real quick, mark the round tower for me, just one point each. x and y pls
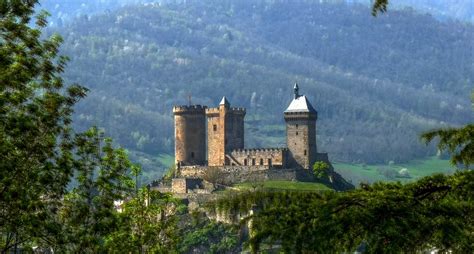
(190, 134)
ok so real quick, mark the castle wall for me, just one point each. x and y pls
(184, 185)
(238, 174)
(234, 129)
(190, 135)
(269, 157)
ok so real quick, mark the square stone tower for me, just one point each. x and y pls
(300, 118)
(225, 132)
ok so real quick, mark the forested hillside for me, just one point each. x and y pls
(458, 9)
(377, 83)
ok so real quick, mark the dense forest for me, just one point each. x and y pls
(63, 11)
(459, 9)
(376, 82)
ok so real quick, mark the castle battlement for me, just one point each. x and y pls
(229, 110)
(238, 110)
(212, 110)
(189, 109)
(258, 150)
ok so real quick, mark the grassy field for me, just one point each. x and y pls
(285, 185)
(371, 173)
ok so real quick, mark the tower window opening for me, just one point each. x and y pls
(245, 162)
(296, 133)
(304, 152)
(214, 127)
(253, 161)
(192, 155)
(261, 161)
(269, 162)
(297, 126)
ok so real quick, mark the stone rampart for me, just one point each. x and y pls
(238, 174)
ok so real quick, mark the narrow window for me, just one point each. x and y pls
(296, 126)
(304, 152)
(192, 155)
(296, 133)
(214, 127)
(269, 162)
(245, 162)
(261, 161)
(253, 162)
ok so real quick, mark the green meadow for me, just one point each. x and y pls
(414, 169)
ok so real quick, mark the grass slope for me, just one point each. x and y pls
(371, 173)
(285, 185)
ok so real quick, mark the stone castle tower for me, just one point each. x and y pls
(225, 132)
(190, 135)
(300, 118)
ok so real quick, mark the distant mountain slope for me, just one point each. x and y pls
(458, 9)
(376, 82)
(65, 10)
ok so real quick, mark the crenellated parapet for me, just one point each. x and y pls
(240, 111)
(252, 151)
(216, 111)
(189, 109)
(212, 111)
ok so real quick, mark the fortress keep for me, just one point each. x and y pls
(225, 137)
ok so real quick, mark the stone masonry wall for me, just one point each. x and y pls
(239, 174)
(269, 157)
(190, 134)
(225, 132)
(215, 136)
(301, 139)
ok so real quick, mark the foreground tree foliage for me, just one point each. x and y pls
(147, 224)
(435, 212)
(35, 117)
(87, 212)
(458, 141)
(40, 155)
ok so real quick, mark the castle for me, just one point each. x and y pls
(209, 146)
(225, 137)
